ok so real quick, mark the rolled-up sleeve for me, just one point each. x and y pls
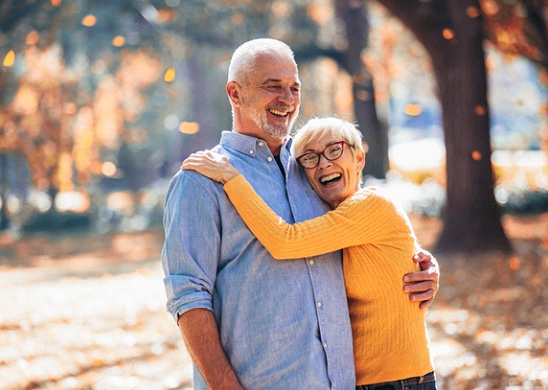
(191, 249)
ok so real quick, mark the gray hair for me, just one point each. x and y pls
(244, 56)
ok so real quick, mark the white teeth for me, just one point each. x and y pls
(279, 113)
(330, 177)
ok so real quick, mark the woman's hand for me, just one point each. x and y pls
(212, 165)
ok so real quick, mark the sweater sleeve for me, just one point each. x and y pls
(363, 218)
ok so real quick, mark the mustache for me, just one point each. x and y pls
(282, 107)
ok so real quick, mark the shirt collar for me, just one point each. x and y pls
(246, 144)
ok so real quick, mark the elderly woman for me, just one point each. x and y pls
(391, 345)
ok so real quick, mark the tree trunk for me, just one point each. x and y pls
(353, 15)
(4, 219)
(203, 107)
(454, 42)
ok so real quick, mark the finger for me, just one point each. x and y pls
(423, 255)
(420, 287)
(213, 156)
(198, 154)
(425, 304)
(218, 158)
(422, 296)
(188, 165)
(193, 162)
(427, 274)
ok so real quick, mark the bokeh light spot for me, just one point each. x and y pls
(476, 155)
(472, 11)
(169, 75)
(9, 59)
(448, 33)
(189, 127)
(75, 201)
(480, 110)
(118, 41)
(413, 109)
(490, 7)
(514, 263)
(108, 169)
(32, 37)
(89, 20)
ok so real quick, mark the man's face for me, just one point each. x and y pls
(271, 99)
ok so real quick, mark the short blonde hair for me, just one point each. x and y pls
(318, 128)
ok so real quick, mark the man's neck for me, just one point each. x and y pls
(274, 144)
(275, 148)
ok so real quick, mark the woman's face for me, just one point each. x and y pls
(335, 180)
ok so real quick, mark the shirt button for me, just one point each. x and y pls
(251, 151)
(319, 304)
(269, 159)
(261, 143)
(311, 262)
(325, 345)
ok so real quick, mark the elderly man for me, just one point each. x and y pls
(248, 320)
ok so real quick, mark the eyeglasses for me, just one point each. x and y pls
(332, 152)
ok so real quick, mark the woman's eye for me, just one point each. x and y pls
(334, 149)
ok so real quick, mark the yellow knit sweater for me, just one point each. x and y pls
(389, 332)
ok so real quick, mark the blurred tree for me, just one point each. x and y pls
(451, 32)
(80, 78)
(74, 84)
(518, 27)
(4, 220)
(354, 18)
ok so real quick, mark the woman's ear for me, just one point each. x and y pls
(360, 157)
(233, 92)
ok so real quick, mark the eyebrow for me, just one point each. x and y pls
(326, 146)
(268, 81)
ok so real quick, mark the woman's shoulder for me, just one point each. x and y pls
(373, 195)
(373, 192)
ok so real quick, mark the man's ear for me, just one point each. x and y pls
(233, 92)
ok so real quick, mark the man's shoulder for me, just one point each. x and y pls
(191, 182)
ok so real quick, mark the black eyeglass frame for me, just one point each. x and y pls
(322, 153)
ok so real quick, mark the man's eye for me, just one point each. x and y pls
(273, 88)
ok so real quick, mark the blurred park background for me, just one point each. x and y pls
(100, 101)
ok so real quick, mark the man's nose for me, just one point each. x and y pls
(286, 95)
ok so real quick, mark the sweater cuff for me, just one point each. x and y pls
(235, 182)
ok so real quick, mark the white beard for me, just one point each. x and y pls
(259, 117)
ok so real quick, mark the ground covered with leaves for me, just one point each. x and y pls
(87, 312)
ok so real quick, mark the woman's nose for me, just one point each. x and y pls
(323, 161)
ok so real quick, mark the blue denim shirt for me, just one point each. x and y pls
(283, 324)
